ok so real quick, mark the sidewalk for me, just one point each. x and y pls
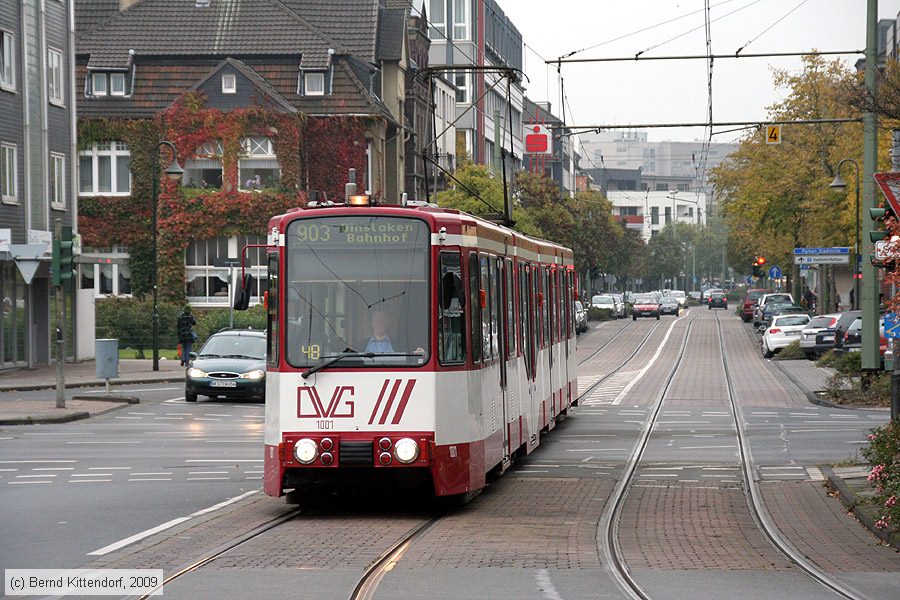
(849, 484)
(19, 411)
(84, 374)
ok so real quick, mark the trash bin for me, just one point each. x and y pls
(106, 353)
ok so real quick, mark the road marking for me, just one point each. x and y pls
(105, 442)
(542, 576)
(144, 534)
(90, 481)
(703, 447)
(647, 367)
(223, 460)
(207, 472)
(160, 473)
(205, 419)
(168, 418)
(152, 479)
(13, 470)
(108, 468)
(209, 478)
(215, 415)
(35, 462)
(30, 476)
(128, 417)
(141, 413)
(91, 475)
(815, 474)
(26, 482)
(45, 469)
(855, 430)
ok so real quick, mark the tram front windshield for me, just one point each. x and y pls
(357, 288)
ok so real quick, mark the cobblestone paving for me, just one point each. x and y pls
(526, 523)
(756, 382)
(646, 390)
(700, 380)
(820, 527)
(807, 374)
(688, 526)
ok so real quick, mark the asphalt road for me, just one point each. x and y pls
(69, 491)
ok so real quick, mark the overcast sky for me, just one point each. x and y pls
(676, 91)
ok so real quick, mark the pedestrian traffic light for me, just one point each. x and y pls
(62, 268)
(879, 215)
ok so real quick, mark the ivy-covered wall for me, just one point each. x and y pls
(312, 154)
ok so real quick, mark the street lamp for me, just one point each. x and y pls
(173, 172)
(840, 184)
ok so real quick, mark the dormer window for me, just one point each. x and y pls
(229, 83)
(314, 84)
(107, 83)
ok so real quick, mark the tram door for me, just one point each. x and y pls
(499, 308)
(528, 340)
(549, 313)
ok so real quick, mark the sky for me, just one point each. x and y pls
(677, 91)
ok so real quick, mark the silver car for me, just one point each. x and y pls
(581, 322)
(620, 305)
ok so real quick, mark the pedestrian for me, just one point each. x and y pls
(186, 334)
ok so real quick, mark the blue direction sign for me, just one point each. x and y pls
(748, 280)
(891, 325)
(821, 251)
(775, 272)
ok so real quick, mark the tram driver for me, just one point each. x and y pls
(380, 342)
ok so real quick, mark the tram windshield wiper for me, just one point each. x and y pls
(330, 360)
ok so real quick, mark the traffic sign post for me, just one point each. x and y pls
(892, 325)
(775, 272)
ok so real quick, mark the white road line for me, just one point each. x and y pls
(205, 419)
(13, 470)
(216, 415)
(160, 473)
(223, 460)
(26, 482)
(91, 475)
(647, 367)
(144, 534)
(35, 462)
(105, 442)
(141, 413)
(855, 430)
(35, 476)
(152, 479)
(48, 469)
(90, 481)
(108, 468)
(168, 418)
(207, 472)
(209, 478)
(548, 590)
(702, 447)
(128, 417)
(815, 474)
(782, 468)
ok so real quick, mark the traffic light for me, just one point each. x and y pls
(62, 268)
(757, 272)
(879, 215)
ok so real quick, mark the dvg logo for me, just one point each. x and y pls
(391, 402)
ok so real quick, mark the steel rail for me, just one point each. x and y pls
(621, 365)
(604, 345)
(608, 526)
(368, 583)
(757, 506)
(228, 546)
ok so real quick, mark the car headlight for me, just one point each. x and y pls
(195, 373)
(306, 451)
(255, 374)
(406, 450)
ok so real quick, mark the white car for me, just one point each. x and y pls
(680, 296)
(783, 330)
(607, 302)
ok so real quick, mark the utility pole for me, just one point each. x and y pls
(871, 359)
(60, 328)
(895, 343)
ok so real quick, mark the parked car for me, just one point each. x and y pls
(841, 327)
(750, 301)
(809, 338)
(696, 295)
(232, 363)
(784, 330)
(645, 305)
(680, 296)
(853, 337)
(778, 308)
(620, 305)
(581, 322)
(768, 299)
(669, 306)
(607, 302)
(717, 300)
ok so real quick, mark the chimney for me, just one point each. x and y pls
(126, 4)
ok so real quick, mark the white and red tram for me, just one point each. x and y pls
(470, 357)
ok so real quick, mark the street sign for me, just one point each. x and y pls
(891, 325)
(226, 262)
(886, 251)
(818, 251)
(775, 272)
(773, 134)
(890, 187)
(748, 280)
(823, 259)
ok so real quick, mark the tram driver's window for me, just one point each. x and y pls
(451, 311)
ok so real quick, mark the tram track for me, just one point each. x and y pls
(597, 350)
(609, 548)
(621, 365)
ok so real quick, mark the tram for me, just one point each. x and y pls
(410, 342)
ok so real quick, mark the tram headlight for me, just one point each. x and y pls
(306, 451)
(254, 375)
(406, 450)
(195, 373)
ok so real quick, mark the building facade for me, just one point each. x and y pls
(650, 211)
(561, 166)
(476, 36)
(260, 123)
(37, 173)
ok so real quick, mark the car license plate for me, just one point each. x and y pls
(828, 338)
(223, 384)
(791, 333)
(854, 350)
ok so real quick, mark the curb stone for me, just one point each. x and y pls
(31, 387)
(111, 398)
(861, 510)
(28, 420)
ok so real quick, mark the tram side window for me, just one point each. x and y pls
(451, 311)
(486, 346)
(475, 303)
(496, 307)
(272, 312)
(526, 335)
(510, 309)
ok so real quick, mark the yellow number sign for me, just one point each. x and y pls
(773, 134)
